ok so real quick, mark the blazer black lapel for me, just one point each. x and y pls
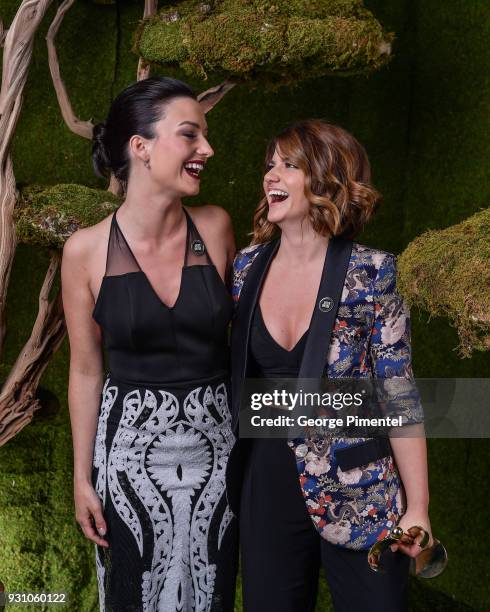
(243, 319)
(323, 318)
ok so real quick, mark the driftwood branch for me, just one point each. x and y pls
(18, 397)
(17, 55)
(143, 72)
(209, 98)
(82, 128)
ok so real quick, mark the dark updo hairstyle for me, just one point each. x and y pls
(135, 111)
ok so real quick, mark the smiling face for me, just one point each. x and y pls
(284, 188)
(180, 149)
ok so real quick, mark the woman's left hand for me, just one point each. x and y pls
(413, 518)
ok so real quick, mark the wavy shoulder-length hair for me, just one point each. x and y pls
(337, 179)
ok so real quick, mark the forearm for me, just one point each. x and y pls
(84, 398)
(410, 454)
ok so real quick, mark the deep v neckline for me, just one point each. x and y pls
(143, 273)
(266, 330)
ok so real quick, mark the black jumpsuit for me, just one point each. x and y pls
(280, 547)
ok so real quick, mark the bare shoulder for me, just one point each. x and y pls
(86, 245)
(210, 217)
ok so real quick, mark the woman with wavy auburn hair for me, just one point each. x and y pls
(311, 303)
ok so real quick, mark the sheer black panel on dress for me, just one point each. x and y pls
(121, 260)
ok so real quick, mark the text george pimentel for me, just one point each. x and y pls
(326, 422)
(285, 400)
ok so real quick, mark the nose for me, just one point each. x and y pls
(205, 148)
(271, 176)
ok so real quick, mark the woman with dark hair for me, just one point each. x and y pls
(151, 441)
(312, 303)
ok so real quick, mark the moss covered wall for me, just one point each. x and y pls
(424, 122)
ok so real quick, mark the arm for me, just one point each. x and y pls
(391, 356)
(85, 382)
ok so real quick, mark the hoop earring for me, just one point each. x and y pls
(146, 163)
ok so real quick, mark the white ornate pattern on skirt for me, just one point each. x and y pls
(176, 467)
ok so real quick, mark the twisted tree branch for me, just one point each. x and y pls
(16, 60)
(17, 399)
(82, 128)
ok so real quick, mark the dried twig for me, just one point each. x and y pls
(82, 128)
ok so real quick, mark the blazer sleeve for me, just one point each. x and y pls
(390, 348)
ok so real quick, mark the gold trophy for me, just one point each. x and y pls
(428, 564)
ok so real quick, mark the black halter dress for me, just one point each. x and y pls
(163, 438)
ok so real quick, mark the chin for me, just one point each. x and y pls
(189, 191)
(276, 214)
(274, 218)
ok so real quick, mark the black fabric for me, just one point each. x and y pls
(282, 551)
(240, 331)
(363, 453)
(271, 360)
(332, 282)
(146, 340)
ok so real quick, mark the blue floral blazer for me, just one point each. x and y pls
(370, 338)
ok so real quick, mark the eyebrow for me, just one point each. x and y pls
(196, 125)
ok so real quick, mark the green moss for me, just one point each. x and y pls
(42, 548)
(48, 216)
(265, 41)
(447, 272)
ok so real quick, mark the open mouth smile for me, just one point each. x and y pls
(277, 195)
(194, 168)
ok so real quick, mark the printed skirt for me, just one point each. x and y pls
(159, 469)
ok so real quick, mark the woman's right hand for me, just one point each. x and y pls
(88, 512)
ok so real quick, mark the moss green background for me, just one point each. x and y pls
(424, 121)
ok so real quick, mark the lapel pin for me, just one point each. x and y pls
(325, 304)
(198, 247)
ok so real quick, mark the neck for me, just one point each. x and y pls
(151, 216)
(298, 248)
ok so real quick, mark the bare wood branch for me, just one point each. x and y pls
(209, 98)
(18, 50)
(77, 126)
(18, 404)
(17, 399)
(151, 7)
(16, 61)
